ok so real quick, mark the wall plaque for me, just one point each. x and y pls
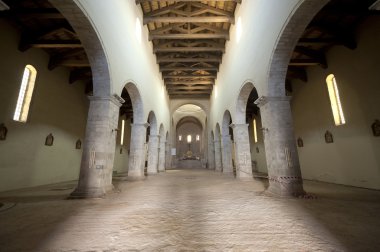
(78, 144)
(49, 140)
(329, 137)
(376, 128)
(257, 150)
(300, 142)
(3, 132)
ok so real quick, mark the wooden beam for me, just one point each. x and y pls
(313, 41)
(143, 1)
(189, 82)
(304, 62)
(28, 38)
(39, 13)
(168, 68)
(185, 77)
(224, 35)
(56, 44)
(342, 35)
(188, 60)
(171, 88)
(189, 49)
(199, 19)
(56, 60)
(190, 92)
(318, 56)
(74, 63)
(80, 74)
(297, 73)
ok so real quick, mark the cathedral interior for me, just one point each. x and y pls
(189, 125)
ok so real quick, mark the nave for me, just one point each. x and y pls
(190, 210)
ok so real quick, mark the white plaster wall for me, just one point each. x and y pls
(57, 107)
(354, 157)
(129, 59)
(248, 59)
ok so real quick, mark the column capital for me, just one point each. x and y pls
(261, 101)
(117, 100)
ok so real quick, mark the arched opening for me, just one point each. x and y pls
(190, 120)
(190, 143)
(129, 143)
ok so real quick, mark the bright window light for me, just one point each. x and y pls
(255, 130)
(189, 138)
(197, 138)
(239, 30)
(180, 138)
(138, 30)
(122, 132)
(336, 104)
(25, 94)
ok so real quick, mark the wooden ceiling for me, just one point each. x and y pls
(42, 26)
(335, 24)
(189, 39)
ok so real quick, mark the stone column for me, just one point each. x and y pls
(211, 156)
(161, 156)
(284, 171)
(168, 155)
(242, 152)
(136, 163)
(95, 177)
(227, 155)
(218, 156)
(153, 154)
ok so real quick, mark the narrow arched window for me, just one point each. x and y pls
(25, 94)
(336, 105)
(254, 130)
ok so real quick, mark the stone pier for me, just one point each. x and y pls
(218, 156)
(284, 171)
(211, 156)
(227, 155)
(95, 177)
(242, 152)
(137, 151)
(153, 145)
(161, 155)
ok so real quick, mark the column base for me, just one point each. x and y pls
(285, 186)
(88, 193)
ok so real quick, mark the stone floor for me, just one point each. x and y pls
(190, 210)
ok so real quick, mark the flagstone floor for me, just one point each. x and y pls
(190, 210)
